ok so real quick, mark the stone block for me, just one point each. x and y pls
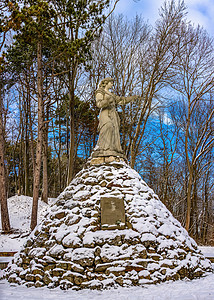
(39, 284)
(77, 268)
(60, 215)
(109, 159)
(58, 272)
(68, 277)
(97, 161)
(78, 279)
(47, 280)
(29, 277)
(38, 271)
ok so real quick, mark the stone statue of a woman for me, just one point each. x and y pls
(109, 123)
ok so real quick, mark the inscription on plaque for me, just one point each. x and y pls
(112, 213)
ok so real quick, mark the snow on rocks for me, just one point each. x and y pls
(68, 248)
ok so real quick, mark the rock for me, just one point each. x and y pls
(22, 274)
(65, 284)
(56, 251)
(30, 284)
(13, 279)
(93, 285)
(78, 278)
(29, 277)
(97, 260)
(143, 263)
(60, 215)
(68, 276)
(83, 256)
(97, 251)
(117, 271)
(144, 274)
(36, 252)
(57, 272)
(69, 248)
(47, 279)
(110, 159)
(49, 267)
(119, 280)
(77, 268)
(163, 271)
(62, 265)
(155, 257)
(39, 284)
(26, 260)
(29, 243)
(97, 161)
(38, 271)
(103, 183)
(102, 267)
(71, 241)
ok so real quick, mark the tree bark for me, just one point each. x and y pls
(36, 183)
(44, 196)
(189, 183)
(188, 213)
(3, 191)
(72, 134)
(26, 160)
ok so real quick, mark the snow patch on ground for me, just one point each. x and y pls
(20, 213)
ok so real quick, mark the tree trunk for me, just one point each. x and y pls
(189, 166)
(36, 183)
(45, 165)
(72, 134)
(3, 192)
(189, 191)
(31, 137)
(26, 160)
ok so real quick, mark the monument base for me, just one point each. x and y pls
(107, 229)
(105, 159)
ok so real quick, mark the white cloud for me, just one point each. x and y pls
(202, 12)
(199, 11)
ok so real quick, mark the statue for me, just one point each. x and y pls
(109, 123)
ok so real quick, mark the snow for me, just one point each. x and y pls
(20, 210)
(199, 289)
(207, 251)
(56, 250)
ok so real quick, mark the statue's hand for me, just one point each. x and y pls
(135, 97)
(132, 98)
(125, 100)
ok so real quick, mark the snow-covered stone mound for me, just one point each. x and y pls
(69, 248)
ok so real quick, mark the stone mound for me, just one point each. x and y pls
(72, 249)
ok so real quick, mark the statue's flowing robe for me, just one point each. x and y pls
(109, 123)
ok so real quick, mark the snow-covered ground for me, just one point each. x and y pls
(20, 211)
(200, 289)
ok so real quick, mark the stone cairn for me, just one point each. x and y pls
(107, 229)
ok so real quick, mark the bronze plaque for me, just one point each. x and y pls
(112, 213)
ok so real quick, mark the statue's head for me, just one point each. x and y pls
(105, 81)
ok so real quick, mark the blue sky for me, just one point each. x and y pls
(199, 11)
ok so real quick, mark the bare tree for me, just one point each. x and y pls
(3, 194)
(195, 81)
(141, 60)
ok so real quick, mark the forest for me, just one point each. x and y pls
(54, 54)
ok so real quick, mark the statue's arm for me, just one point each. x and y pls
(125, 100)
(101, 101)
